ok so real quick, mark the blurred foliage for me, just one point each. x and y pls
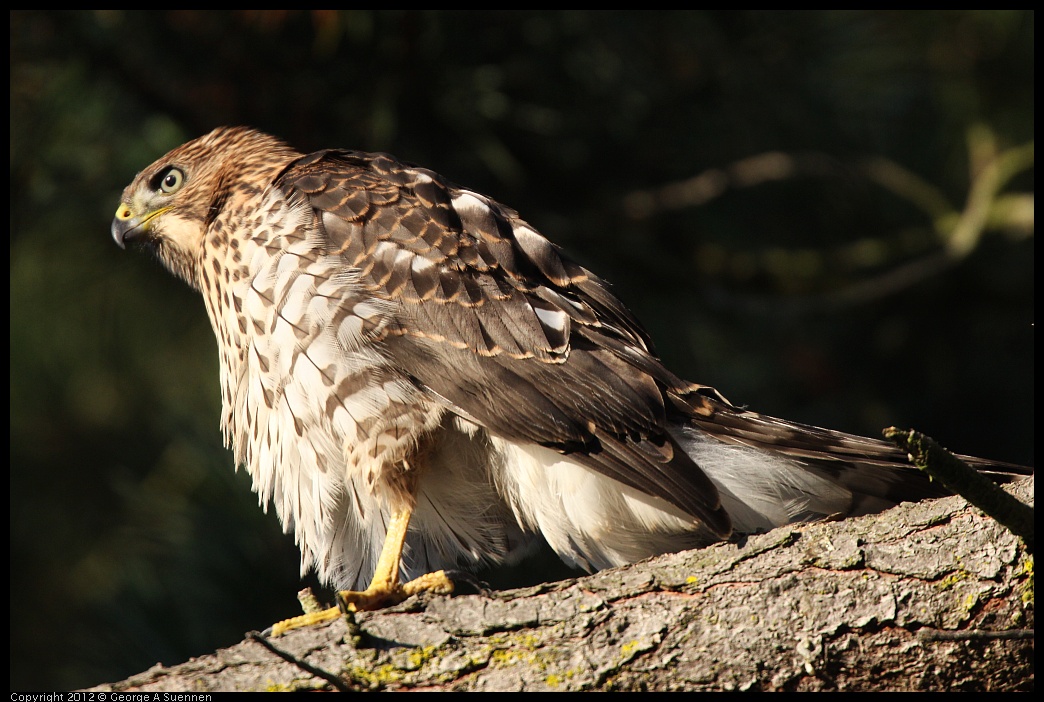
(826, 215)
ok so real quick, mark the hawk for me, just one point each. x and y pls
(418, 380)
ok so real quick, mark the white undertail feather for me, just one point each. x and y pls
(596, 522)
(588, 519)
(762, 490)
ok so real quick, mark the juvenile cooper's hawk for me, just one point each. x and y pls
(405, 361)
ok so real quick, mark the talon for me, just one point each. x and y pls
(369, 599)
(438, 583)
(377, 597)
(384, 589)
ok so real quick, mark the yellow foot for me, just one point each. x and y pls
(378, 597)
(374, 597)
(309, 619)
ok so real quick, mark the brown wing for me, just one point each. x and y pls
(495, 322)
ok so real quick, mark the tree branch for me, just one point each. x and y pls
(927, 596)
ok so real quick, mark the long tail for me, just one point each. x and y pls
(772, 471)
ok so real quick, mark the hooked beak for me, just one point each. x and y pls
(127, 227)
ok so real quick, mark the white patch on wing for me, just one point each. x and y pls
(469, 201)
(527, 234)
(421, 264)
(556, 319)
(402, 258)
(531, 241)
(385, 248)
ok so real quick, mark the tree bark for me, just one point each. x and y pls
(926, 596)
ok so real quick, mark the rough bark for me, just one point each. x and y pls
(927, 596)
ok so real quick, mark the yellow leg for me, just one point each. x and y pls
(384, 589)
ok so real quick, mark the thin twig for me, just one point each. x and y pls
(965, 481)
(303, 665)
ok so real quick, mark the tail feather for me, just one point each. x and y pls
(771, 471)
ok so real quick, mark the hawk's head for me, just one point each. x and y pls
(170, 205)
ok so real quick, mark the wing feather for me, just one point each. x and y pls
(495, 321)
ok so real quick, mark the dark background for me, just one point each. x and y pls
(774, 194)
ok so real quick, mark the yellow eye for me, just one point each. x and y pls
(171, 181)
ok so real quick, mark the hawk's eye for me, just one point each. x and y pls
(171, 180)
